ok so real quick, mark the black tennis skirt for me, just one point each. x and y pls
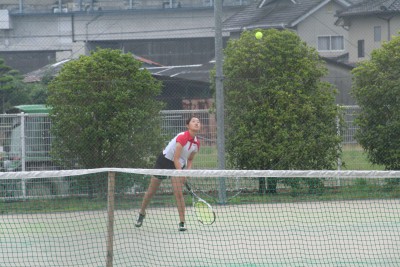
(163, 163)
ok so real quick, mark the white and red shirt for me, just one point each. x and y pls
(189, 145)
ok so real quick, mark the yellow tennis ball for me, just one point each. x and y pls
(259, 35)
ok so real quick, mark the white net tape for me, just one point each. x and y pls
(210, 173)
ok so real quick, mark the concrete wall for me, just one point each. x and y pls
(38, 33)
(58, 31)
(66, 35)
(340, 76)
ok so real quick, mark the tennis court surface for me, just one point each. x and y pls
(316, 233)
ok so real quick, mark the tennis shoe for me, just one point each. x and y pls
(182, 227)
(140, 219)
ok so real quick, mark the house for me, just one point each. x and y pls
(369, 24)
(314, 22)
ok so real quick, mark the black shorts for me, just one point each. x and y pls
(163, 163)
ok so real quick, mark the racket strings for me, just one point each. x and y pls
(204, 212)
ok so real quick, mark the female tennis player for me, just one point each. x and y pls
(178, 154)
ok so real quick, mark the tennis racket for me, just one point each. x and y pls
(202, 209)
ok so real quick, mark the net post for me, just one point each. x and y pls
(110, 215)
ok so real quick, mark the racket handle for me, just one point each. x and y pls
(188, 186)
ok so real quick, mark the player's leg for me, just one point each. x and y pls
(153, 186)
(177, 185)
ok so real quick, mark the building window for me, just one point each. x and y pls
(361, 48)
(377, 33)
(330, 43)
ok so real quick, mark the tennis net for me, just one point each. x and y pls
(263, 218)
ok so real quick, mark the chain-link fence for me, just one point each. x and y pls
(26, 142)
(175, 41)
(111, 120)
(25, 139)
(350, 113)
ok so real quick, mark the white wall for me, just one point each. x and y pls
(362, 28)
(322, 23)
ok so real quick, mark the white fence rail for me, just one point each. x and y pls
(25, 139)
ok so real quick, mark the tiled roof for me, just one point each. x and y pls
(273, 14)
(200, 72)
(53, 69)
(372, 7)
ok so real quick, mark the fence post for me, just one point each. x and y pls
(23, 143)
(110, 212)
(23, 156)
(339, 133)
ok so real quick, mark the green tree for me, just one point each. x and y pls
(376, 88)
(18, 95)
(104, 112)
(279, 114)
(38, 93)
(10, 82)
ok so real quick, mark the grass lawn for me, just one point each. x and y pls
(353, 158)
(357, 189)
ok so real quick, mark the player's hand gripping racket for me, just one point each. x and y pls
(202, 209)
